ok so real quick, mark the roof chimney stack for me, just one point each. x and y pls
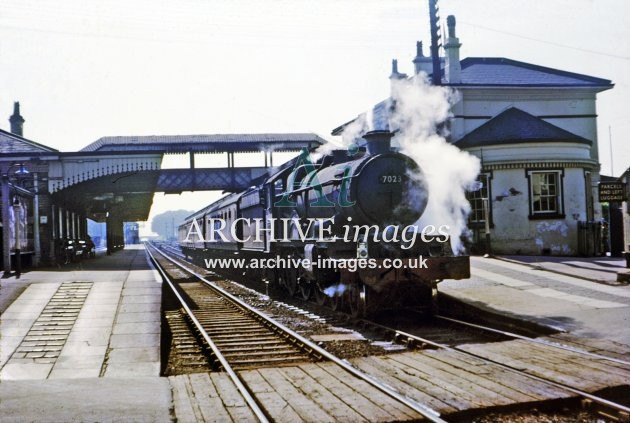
(395, 74)
(453, 69)
(421, 62)
(17, 121)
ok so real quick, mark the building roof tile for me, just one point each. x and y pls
(499, 71)
(12, 143)
(207, 143)
(515, 126)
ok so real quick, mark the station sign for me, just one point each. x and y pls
(612, 192)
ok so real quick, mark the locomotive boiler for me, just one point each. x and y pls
(338, 229)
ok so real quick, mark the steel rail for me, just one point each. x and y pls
(537, 341)
(422, 409)
(251, 402)
(594, 398)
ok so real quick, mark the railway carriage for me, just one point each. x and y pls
(347, 218)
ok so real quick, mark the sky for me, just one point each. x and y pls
(84, 69)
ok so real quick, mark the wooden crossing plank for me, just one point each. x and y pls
(208, 400)
(477, 396)
(590, 368)
(478, 366)
(185, 409)
(600, 346)
(330, 403)
(492, 384)
(354, 399)
(615, 370)
(588, 379)
(307, 409)
(232, 398)
(412, 386)
(275, 406)
(532, 387)
(398, 410)
(534, 366)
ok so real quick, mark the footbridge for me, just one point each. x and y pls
(122, 173)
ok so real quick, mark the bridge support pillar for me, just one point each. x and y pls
(115, 234)
(6, 240)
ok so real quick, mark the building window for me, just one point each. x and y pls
(545, 195)
(477, 198)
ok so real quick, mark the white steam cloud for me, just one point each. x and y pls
(419, 109)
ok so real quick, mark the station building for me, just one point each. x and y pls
(534, 130)
(41, 214)
(48, 196)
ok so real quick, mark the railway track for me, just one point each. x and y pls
(543, 342)
(615, 411)
(241, 338)
(447, 334)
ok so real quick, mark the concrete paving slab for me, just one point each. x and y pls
(144, 290)
(74, 373)
(26, 369)
(137, 299)
(133, 355)
(74, 349)
(146, 399)
(79, 362)
(137, 369)
(136, 327)
(140, 308)
(95, 322)
(127, 317)
(134, 340)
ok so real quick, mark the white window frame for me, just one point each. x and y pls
(477, 197)
(546, 192)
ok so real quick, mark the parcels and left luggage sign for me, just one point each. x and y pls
(612, 191)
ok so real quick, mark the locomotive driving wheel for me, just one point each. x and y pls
(289, 280)
(337, 301)
(306, 288)
(357, 299)
(319, 294)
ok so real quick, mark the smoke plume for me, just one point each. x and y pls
(417, 113)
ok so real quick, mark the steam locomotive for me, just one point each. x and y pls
(338, 229)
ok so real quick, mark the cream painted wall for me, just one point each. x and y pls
(514, 232)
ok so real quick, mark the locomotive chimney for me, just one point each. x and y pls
(378, 142)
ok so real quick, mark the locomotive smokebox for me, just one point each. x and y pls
(378, 142)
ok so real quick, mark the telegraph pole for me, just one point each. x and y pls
(434, 20)
(612, 168)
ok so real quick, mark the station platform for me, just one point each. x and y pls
(608, 270)
(82, 343)
(581, 296)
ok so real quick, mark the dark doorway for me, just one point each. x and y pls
(616, 229)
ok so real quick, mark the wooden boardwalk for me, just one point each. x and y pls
(452, 382)
(449, 382)
(312, 392)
